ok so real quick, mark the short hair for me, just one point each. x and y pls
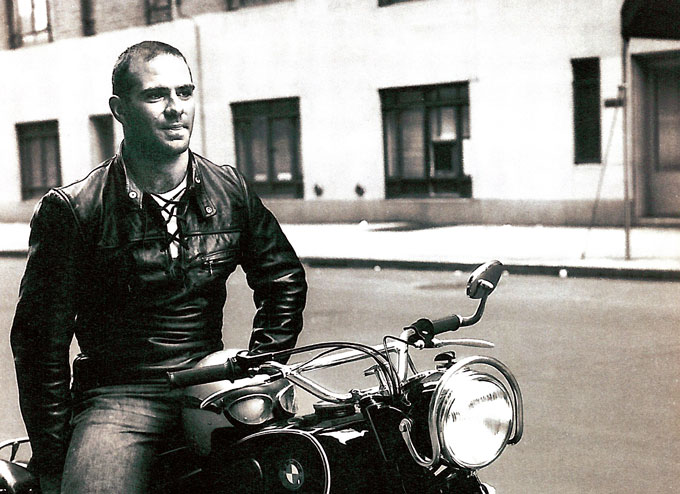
(144, 51)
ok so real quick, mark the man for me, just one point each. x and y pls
(133, 260)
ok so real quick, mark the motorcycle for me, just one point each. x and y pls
(413, 431)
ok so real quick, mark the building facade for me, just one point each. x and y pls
(434, 111)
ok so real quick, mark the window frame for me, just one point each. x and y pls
(455, 183)
(587, 110)
(26, 132)
(239, 4)
(244, 114)
(87, 17)
(152, 10)
(387, 3)
(17, 35)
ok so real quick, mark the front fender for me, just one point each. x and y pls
(15, 479)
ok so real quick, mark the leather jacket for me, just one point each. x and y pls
(99, 267)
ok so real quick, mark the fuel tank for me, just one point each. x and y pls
(339, 449)
(318, 454)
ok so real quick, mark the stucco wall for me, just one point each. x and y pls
(516, 56)
(335, 55)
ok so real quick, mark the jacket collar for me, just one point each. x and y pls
(195, 185)
(132, 192)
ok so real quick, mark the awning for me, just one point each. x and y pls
(650, 19)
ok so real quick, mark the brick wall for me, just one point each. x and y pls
(65, 19)
(111, 16)
(67, 22)
(4, 27)
(64, 16)
(198, 7)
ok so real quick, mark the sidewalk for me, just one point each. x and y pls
(655, 252)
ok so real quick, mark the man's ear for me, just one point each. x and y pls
(117, 106)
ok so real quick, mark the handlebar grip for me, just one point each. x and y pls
(450, 323)
(229, 371)
(427, 329)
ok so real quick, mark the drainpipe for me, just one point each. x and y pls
(199, 75)
(626, 164)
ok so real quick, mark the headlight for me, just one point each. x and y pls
(252, 409)
(474, 418)
(256, 409)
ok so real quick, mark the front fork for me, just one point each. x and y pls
(406, 476)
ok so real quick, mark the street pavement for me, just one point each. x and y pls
(654, 253)
(598, 362)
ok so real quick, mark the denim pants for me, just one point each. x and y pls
(117, 434)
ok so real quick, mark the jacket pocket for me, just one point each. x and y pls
(212, 245)
(218, 260)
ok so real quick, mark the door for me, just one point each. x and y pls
(662, 140)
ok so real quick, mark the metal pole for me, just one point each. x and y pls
(626, 165)
(199, 75)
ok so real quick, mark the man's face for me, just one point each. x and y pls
(159, 109)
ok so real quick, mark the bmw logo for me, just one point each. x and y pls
(291, 474)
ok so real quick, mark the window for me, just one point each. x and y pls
(237, 4)
(87, 17)
(268, 145)
(384, 3)
(101, 138)
(586, 88)
(39, 157)
(158, 11)
(29, 22)
(423, 131)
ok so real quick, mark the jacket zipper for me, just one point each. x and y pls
(209, 262)
(213, 232)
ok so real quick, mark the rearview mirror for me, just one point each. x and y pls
(484, 279)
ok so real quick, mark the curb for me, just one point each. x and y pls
(555, 269)
(13, 253)
(512, 268)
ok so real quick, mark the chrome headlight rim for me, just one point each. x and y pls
(451, 452)
(515, 430)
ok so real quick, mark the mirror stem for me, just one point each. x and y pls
(473, 319)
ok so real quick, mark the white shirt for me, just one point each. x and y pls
(168, 202)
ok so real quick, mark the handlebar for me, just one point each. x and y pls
(421, 334)
(426, 330)
(450, 323)
(236, 367)
(228, 371)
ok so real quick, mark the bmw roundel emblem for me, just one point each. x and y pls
(291, 474)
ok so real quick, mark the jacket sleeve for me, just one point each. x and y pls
(276, 276)
(42, 331)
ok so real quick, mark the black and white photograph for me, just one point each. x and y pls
(340, 246)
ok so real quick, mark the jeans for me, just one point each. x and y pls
(117, 434)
